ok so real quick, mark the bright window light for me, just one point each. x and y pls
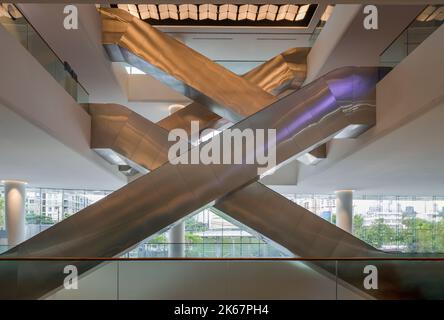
(207, 11)
(148, 11)
(168, 11)
(228, 11)
(247, 11)
(287, 12)
(302, 12)
(327, 13)
(188, 11)
(133, 70)
(267, 11)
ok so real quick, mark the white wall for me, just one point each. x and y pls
(46, 130)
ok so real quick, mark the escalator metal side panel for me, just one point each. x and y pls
(127, 134)
(286, 71)
(180, 67)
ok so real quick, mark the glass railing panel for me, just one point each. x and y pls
(223, 279)
(419, 30)
(23, 31)
(99, 283)
(393, 279)
(3, 248)
(325, 279)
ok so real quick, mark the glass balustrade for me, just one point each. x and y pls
(290, 278)
(416, 33)
(12, 20)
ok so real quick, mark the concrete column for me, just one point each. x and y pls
(344, 210)
(15, 195)
(176, 235)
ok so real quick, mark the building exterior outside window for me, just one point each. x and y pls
(390, 223)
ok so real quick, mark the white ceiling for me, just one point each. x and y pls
(28, 153)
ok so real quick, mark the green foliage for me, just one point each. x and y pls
(193, 238)
(195, 226)
(2, 212)
(413, 234)
(161, 238)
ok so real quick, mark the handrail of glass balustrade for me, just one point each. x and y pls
(308, 259)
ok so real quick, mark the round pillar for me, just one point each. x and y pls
(176, 235)
(15, 195)
(344, 210)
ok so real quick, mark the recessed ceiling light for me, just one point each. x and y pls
(247, 11)
(148, 11)
(188, 11)
(168, 11)
(207, 11)
(267, 11)
(228, 11)
(302, 12)
(287, 12)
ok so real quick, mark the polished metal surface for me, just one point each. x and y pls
(119, 133)
(302, 121)
(283, 73)
(286, 71)
(168, 60)
(129, 39)
(193, 112)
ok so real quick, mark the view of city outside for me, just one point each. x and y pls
(390, 223)
(209, 234)
(2, 212)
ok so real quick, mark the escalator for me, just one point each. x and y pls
(302, 120)
(343, 100)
